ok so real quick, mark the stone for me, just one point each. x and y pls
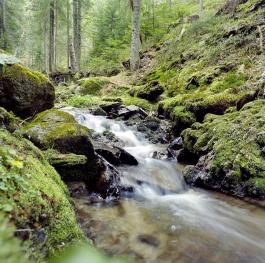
(115, 155)
(99, 112)
(25, 92)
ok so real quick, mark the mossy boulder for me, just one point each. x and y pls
(231, 150)
(33, 196)
(92, 85)
(25, 92)
(59, 130)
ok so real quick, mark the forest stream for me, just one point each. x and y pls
(165, 220)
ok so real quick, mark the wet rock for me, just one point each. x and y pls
(159, 155)
(111, 108)
(99, 112)
(115, 155)
(108, 184)
(109, 153)
(174, 147)
(107, 137)
(25, 92)
(77, 189)
(186, 157)
(155, 130)
(176, 144)
(148, 240)
(128, 111)
(152, 123)
(127, 158)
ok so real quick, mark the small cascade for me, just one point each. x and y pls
(168, 216)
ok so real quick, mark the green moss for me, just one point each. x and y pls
(33, 194)
(129, 100)
(85, 101)
(19, 73)
(56, 158)
(236, 142)
(11, 249)
(51, 125)
(92, 86)
(9, 120)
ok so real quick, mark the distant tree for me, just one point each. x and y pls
(2, 24)
(52, 38)
(135, 42)
(201, 7)
(77, 33)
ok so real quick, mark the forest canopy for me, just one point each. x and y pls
(41, 34)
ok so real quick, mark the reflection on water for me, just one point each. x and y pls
(169, 222)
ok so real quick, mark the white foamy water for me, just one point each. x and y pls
(203, 227)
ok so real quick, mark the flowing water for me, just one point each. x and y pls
(167, 221)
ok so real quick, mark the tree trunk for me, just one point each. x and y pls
(72, 56)
(52, 37)
(68, 34)
(170, 3)
(201, 7)
(77, 31)
(135, 45)
(2, 25)
(55, 33)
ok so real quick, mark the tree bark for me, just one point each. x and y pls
(201, 7)
(77, 31)
(72, 56)
(52, 36)
(2, 25)
(68, 34)
(135, 44)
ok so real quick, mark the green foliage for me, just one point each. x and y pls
(11, 179)
(92, 86)
(11, 249)
(30, 189)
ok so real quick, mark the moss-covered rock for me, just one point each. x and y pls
(25, 92)
(93, 85)
(33, 196)
(71, 167)
(59, 130)
(8, 120)
(232, 151)
(150, 92)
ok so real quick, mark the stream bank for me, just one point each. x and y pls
(165, 220)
